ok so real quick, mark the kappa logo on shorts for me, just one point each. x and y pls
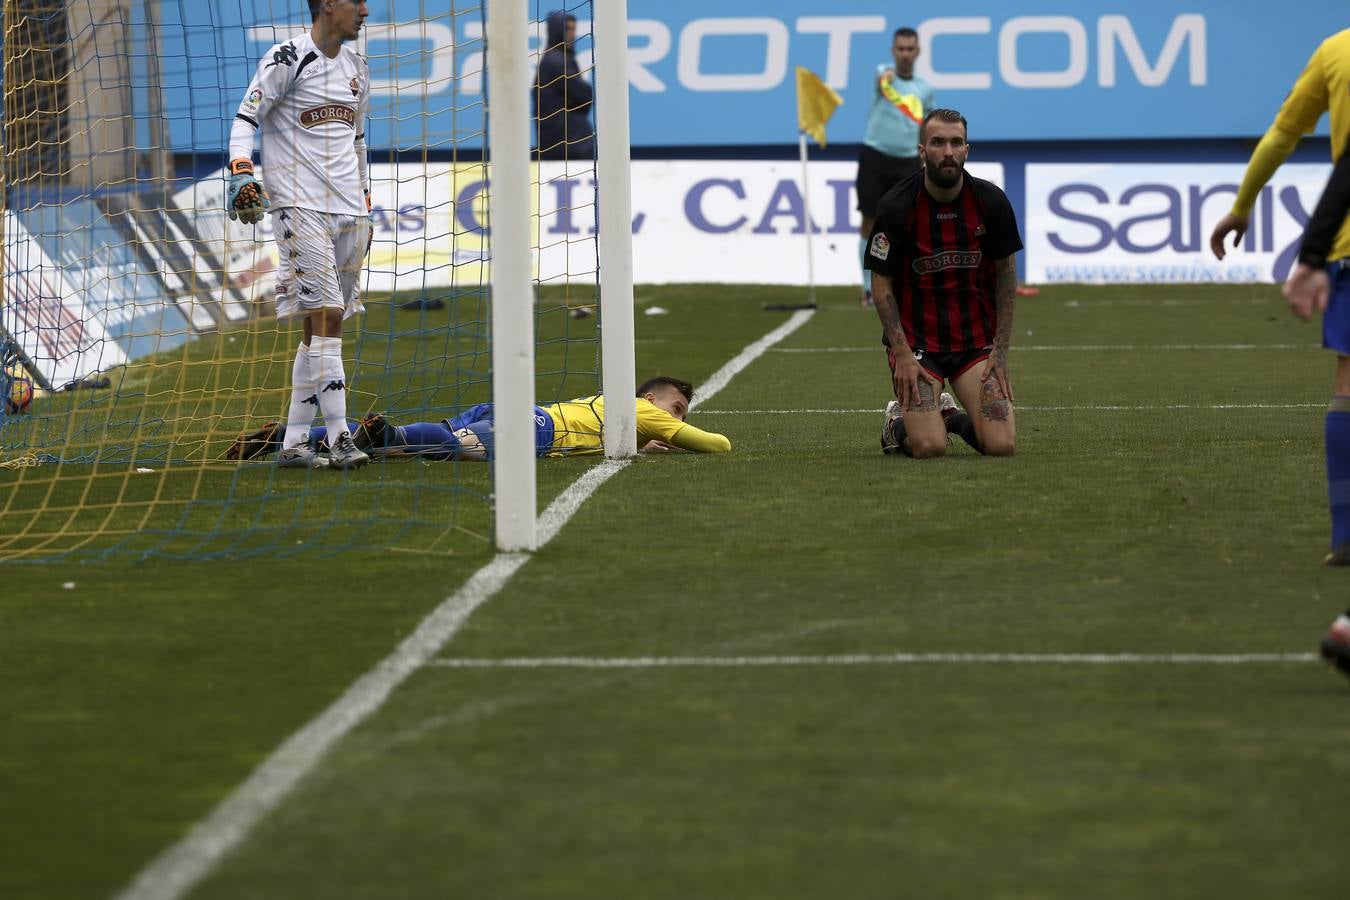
(881, 246)
(335, 386)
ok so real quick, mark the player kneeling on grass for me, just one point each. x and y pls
(312, 93)
(944, 282)
(560, 429)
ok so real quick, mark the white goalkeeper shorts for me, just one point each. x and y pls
(320, 261)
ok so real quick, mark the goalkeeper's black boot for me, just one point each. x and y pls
(1336, 645)
(257, 443)
(372, 432)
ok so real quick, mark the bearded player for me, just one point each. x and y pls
(310, 95)
(945, 283)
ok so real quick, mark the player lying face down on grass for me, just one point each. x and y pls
(944, 282)
(567, 428)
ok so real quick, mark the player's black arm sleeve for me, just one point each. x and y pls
(1328, 217)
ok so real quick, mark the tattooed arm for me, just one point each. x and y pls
(996, 399)
(914, 387)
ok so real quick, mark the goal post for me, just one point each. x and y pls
(615, 205)
(512, 290)
(513, 338)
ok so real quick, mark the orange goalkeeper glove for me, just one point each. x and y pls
(247, 199)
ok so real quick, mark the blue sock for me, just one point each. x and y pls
(319, 434)
(433, 439)
(1338, 469)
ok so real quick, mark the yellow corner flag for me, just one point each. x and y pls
(816, 102)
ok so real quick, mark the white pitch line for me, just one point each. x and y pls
(1087, 408)
(1074, 348)
(183, 865)
(888, 659)
(722, 376)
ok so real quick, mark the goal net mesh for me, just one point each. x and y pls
(145, 319)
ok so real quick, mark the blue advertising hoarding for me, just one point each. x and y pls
(716, 73)
(713, 73)
(1021, 70)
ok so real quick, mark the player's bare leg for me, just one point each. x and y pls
(990, 411)
(924, 433)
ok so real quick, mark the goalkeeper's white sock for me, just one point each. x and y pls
(325, 358)
(304, 402)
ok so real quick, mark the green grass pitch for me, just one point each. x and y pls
(1167, 498)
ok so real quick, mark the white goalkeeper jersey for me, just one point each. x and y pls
(312, 111)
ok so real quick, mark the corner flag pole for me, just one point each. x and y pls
(816, 102)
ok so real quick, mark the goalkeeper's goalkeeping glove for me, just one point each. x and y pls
(247, 199)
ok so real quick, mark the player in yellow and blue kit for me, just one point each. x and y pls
(1324, 85)
(890, 150)
(561, 429)
(1309, 289)
(1322, 277)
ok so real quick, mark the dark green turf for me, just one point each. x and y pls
(144, 695)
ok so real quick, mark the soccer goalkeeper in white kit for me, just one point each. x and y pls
(310, 95)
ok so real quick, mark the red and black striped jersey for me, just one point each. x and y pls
(940, 258)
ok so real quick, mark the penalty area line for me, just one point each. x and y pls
(885, 659)
(183, 865)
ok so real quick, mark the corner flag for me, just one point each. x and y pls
(816, 102)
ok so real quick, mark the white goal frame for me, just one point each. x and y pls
(515, 499)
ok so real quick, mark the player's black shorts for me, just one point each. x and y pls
(877, 174)
(947, 366)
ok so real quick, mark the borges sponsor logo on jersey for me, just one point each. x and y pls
(951, 259)
(329, 112)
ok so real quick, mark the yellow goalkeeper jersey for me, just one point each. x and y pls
(1323, 86)
(578, 426)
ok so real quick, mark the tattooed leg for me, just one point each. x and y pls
(993, 404)
(927, 397)
(991, 429)
(926, 432)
